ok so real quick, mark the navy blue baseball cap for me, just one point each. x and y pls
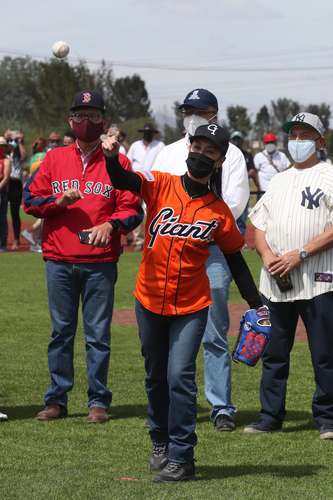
(200, 99)
(88, 99)
(214, 133)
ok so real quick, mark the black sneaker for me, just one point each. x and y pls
(224, 423)
(159, 456)
(261, 426)
(174, 471)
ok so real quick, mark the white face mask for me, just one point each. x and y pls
(270, 148)
(192, 122)
(300, 151)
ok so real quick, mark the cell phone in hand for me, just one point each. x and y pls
(84, 237)
(284, 283)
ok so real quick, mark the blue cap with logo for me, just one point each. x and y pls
(200, 99)
(88, 99)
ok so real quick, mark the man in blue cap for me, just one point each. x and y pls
(200, 107)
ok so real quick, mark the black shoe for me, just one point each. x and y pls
(174, 471)
(224, 423)
(159, 456)
(261, 426)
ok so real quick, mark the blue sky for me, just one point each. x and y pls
(246, 52)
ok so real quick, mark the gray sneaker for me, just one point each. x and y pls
(326, 432)
(174, 471)
(159, 456)
(261, 427)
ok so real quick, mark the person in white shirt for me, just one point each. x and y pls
(294, 236)
(200, 107)
(142, 153)
(270, 161)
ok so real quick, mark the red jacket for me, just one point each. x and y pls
(62, 169)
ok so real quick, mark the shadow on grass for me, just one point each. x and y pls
(245, 417)
(22, 412)
(209, 472)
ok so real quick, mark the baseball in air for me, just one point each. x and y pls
(60, 49)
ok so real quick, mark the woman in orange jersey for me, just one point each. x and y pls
(172, 290)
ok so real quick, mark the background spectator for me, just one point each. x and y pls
(5, 167)
(18, 154)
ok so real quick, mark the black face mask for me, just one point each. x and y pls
(199, 166)
(148, 136)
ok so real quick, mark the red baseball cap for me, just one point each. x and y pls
(269, 138)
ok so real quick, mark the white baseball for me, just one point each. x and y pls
(60, 49)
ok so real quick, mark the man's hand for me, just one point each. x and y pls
(110, 145)
(69, 197)
(285, 263)
(100, 235)
(269, 259)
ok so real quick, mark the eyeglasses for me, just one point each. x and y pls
(93, 117)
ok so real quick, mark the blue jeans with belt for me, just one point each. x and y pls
(217, 360)
(170, 345)
(94, 284)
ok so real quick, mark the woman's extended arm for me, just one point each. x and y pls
(243, 279)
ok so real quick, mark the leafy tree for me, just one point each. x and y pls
(323, 110)
(17, 79)
(130, 98)
(104, 83)
(56, 84)
(179, 118)
(282, 110)
(238, 119)
(171, 134)
(263, 122)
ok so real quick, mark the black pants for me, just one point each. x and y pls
(15, 199)
(317, 315)
(3, 219)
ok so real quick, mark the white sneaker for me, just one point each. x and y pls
(3, 417)
(28, 236)
(36, 248)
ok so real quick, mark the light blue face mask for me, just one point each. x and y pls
(300, 151)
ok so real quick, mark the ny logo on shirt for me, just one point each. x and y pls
(312, 200)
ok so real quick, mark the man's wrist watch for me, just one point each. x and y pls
(303, 254)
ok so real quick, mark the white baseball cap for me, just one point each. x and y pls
(307, 119)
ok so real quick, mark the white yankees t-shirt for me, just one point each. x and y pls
(296, 208)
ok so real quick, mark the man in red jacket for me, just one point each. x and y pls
(71, 191)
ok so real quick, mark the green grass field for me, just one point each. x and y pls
(70, 459)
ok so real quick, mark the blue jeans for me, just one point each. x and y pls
(66, 283)
(217, 360)
(170, 345)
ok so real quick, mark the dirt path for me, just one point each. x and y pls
(127, 317)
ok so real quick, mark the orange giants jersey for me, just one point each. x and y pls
(172, 277)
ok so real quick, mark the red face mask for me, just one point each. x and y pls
(87, 131)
